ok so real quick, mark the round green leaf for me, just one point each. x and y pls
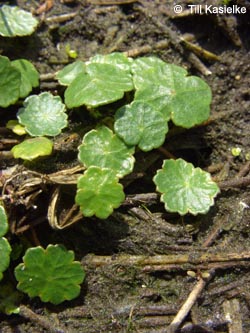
(3, 221)
(105, 149)
(43, 114)
(5, 250)
(32, 148)
(16, 22)
(140, 124)
(70, 72)
(185, 189)
(186, 100)
(51, 273)
(29, 76)
(101, 84)
(10, 80)
(98, 192)
(191, 104)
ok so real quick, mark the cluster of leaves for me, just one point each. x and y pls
(161, 93)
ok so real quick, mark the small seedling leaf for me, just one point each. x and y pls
(32, 148)
(10, 80)
(43, 114)
(183, 99)
(67, 75)
(51, 273)
(29, 76)
(185, 189)
(101, 84)
(105, 149)
(140, 124)
(16, 22)
(98, 192)
(16, 127)
(5, 248)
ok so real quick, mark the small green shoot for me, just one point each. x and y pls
(5, 248)
(51, 274)
(15, 21)
(43, 114)
(185, 189)
(236, 151)
(16, 127)
(98, 192)
(70, 52)
(32, 148)
(103, 148)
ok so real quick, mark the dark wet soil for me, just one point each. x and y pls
(124, 297)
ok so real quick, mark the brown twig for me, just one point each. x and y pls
(165, 260)
(43, 322)
(235, 182)
(186, 307)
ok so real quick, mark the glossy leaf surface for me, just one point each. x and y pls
(117, 59)
(32, 148)
(102, 83)
(15, 21)
(140, 124)
(29, 76)
(3, 221)
(67, 75)
(10, 80)
(98, 192)
(43, 114)
(185, 189)
(51, 274)
(183, 99)
(103, 148)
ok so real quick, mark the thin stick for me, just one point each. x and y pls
(186, 307)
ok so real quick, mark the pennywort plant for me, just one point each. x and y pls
(51, 274)
(156, 93)
(143, 96)
(162, 93)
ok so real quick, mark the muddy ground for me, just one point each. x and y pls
(122, 297)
